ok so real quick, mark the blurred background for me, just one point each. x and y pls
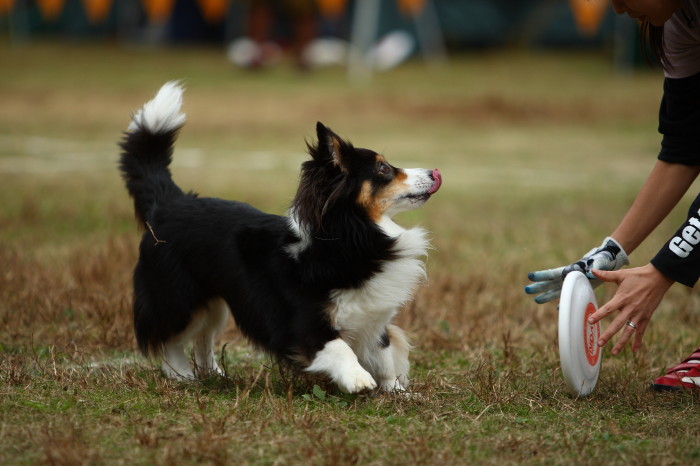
(378, 34)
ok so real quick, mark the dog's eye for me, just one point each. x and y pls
(383, 169)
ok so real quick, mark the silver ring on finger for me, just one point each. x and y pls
(632, 324)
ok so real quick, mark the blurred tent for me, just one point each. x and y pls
(146, 21)
(456, 24)
(464, 22)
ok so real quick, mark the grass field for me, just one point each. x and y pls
(541, 155)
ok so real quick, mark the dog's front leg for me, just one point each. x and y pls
(339, 362)
(398, 350)
(387, 359)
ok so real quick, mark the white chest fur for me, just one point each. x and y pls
(362, 314)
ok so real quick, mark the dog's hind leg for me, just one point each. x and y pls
(214, 320)
(176, 364)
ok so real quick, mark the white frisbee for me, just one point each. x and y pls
(579, 352)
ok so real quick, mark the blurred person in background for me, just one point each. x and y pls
(260, 49)
(671, 29)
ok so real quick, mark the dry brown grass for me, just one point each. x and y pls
(77, 299)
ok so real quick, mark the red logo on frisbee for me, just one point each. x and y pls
(590, 336)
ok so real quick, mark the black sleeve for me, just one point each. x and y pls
(679, 121)
(679, 259)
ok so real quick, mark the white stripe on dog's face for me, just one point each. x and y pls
(407, 190)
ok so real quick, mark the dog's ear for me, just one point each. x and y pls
(330, 146)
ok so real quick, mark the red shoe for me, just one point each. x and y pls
(685, 375)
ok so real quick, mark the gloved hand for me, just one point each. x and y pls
(609, 256)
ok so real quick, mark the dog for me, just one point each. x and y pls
(318, 287)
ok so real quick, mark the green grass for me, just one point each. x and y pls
(541, 155)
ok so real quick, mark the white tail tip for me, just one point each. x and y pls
(162, 113)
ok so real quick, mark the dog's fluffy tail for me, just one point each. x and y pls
(147, 150)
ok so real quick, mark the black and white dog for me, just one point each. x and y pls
(318, 287)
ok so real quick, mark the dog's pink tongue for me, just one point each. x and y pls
(438, 181)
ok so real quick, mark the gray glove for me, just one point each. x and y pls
(609, 256)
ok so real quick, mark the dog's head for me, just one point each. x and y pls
(340, 178)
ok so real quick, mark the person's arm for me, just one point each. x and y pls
(640, 289)
(665, 186)
(679, 258)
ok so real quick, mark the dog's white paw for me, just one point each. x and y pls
(392, 386)
(356, 380)
(204, 372)
(338, 361)
(207, 368)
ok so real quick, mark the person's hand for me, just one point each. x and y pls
(639, 292)
(548, 283)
